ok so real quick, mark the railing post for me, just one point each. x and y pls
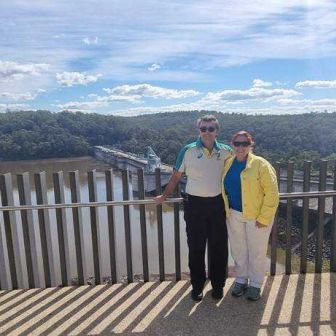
(8, 276)
(17, 265)
(290, 173)
(5, 281)
(63, 238)
(274, 233)
(111, 224)
(94, 227)
(78, 228)
(305, 219)
(333, 229)
(30, 232)
(160, 225)
(141, 191)
(177, 236)
(321, 210)
(47, 239)
(127, 223)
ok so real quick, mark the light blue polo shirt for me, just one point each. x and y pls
(203, 170)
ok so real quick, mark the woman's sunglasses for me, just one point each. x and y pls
(241, 143)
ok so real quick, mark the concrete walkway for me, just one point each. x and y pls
(291, 305)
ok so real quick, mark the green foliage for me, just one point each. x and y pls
(33, 135)
(42, 134)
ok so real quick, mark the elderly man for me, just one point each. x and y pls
(202, 161)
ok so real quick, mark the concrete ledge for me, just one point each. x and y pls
(290, 305)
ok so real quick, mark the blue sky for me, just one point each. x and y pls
(128, 57)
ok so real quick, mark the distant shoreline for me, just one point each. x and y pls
(58, 159)
(65, 164)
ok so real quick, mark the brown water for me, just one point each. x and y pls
(83, 165)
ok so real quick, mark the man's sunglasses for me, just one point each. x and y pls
(210, 129)
(241, 143)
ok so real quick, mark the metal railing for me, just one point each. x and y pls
(318, 231)
(22, 246)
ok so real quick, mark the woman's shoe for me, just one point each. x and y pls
(238, 289)
(253, 293)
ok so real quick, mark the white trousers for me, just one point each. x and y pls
(248, 248)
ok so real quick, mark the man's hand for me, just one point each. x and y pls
(259, 225)
(173, 181)
(160, 199)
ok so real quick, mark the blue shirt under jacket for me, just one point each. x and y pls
(232, 185)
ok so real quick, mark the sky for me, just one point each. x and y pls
(128, 58)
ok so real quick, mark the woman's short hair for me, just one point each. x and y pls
(246, 134)
(208, 118)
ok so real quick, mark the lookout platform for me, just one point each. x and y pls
(290, 305)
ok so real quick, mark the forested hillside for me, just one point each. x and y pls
(42, 134)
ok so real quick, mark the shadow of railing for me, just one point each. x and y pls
(294, 304)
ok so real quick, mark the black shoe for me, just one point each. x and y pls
(217, 293)
(196, 295)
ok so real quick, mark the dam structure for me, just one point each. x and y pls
(149, 162)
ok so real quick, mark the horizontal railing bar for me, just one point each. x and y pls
(86, 205)
(309, 194)
(328, 182)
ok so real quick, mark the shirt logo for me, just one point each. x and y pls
(199, 155)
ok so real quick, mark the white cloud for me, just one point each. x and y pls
(154, 67)
(82, 106)
(310, 102)
(75, 78)
(192, 41)
(90, 40)
(203, 34)
(299, 109)
(13, 107)
(320, 84)
(147, 90)
(14, 70)
(17, 96)
(253, 94)
(258, 83)
(219, 34)
(160, 109)
(119, 98)
(282, 110)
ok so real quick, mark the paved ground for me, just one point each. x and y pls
(291, 305)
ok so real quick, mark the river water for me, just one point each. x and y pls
(83, 165)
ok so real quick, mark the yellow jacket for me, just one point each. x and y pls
(260, 195)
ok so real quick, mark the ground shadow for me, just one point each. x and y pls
(291, 305)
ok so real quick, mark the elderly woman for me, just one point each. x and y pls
(251, 197)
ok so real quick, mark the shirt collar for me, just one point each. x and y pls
(200, 145)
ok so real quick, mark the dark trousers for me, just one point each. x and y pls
(206, 222)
